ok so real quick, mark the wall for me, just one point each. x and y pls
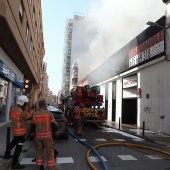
(155, 81)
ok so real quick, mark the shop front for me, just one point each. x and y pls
(11, 86)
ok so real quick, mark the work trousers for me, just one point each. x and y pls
(77, 128)
(17, 141)
(49, 147)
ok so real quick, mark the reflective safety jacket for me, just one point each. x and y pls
(77, 113)
(18, 120)
(42, 123)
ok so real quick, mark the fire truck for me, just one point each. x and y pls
(91, 98)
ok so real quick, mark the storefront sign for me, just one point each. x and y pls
(130, 82)
(148, 49)
(9, 74)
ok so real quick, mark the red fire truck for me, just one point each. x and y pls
(91, 98)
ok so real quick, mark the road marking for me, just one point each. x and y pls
(81, 140)
(27, 161)
(63, 160)
(120, 140)
(138, 140)
(126, 157)
(96, 159)
(101, 140)
(152, 157)
(120, 132)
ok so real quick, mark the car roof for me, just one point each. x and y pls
(53, 109)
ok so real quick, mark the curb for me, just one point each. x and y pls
(143, 137)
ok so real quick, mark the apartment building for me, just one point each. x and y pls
(21, 51)
(76, 65)
(67, 58)
(44, 82)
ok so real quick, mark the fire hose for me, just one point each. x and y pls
(134, 146)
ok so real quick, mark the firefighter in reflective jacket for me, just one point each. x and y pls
(78, 119)
(19, 116)
(42, 124)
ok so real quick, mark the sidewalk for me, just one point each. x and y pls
(156, 137)
(5, 164)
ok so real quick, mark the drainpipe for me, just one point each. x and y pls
(8, 100)
(167, 27)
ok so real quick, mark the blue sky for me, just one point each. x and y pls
(55, 13)
(116, 21)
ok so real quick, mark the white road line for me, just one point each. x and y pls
(65, 160)
(126, 157)
(152, 157)
(101, 140)
(96, 159)
(138, 140)
(81, 140)
(121, 140)
(27, 161)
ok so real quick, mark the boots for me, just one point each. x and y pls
(42, 167)
(34, 160)
(7, 156)
(55, 153)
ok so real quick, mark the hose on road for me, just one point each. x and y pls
(124, 144)
(92, 149)
(134, 146)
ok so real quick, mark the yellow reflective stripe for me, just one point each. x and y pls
(20, 143)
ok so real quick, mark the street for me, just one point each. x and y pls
(118, 150)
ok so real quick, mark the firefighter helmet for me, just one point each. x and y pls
(22, 99)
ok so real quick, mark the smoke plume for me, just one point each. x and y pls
(112, 24)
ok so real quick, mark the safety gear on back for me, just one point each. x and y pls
(81, 105)
(22, 99)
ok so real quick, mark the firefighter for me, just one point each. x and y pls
(41, 127)
(78, 119)
(19, 116)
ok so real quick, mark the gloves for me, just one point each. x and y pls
(56, 134)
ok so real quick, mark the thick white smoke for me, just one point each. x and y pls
(114, 23)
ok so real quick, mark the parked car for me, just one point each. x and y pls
(58, 114)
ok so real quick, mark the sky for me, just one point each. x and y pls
(116, 23)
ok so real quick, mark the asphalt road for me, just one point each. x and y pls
(120, 154)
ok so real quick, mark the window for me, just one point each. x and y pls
(27, 32)
(31, 45)
(33, 15)
(21, 10)
(36, 64)
(33, 54)
(67, 78)
(30, 2)
(36, 33)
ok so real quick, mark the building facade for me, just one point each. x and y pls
(137, 90)
(21, 51)
(67, 58)
(77, 43)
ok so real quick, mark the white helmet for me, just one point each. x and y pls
(22, 99)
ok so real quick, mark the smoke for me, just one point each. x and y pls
(111, 24)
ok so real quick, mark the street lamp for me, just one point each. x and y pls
(154, 24)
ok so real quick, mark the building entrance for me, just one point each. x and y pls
(129, 111)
